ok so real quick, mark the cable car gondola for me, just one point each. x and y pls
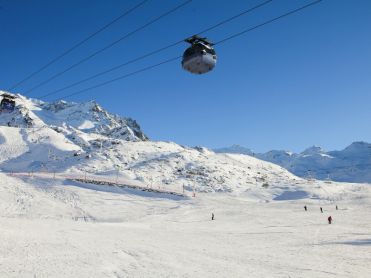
(200, 57)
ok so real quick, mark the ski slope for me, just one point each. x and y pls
(52, 228)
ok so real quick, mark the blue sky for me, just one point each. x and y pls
(301, 81)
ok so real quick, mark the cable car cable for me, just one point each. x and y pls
(127, 12)
(234, 17)
(155, 51)
(267, 22)
(178, 57)
(122, 77)
(109, 46)
(109, 70)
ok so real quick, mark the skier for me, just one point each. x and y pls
(329, 219)
(336, 207)
(305, 207)
(321, 209)
(212, 216)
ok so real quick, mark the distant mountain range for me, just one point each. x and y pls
(353, 164)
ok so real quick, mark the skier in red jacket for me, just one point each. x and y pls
(329, 219)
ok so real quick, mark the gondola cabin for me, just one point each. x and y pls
(7, 103)
(200, 57)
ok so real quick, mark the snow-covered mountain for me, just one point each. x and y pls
(70, 118)
(74, 138)
(353, 164)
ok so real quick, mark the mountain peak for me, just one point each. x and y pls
(313, 150)
(235, 149)
(88, 117)
(359, 148)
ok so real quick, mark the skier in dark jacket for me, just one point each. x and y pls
(321, 209)
(212, 216)
(329, 219)
(305, 207)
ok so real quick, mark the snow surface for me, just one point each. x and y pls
(54, 226)
(51, 228)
